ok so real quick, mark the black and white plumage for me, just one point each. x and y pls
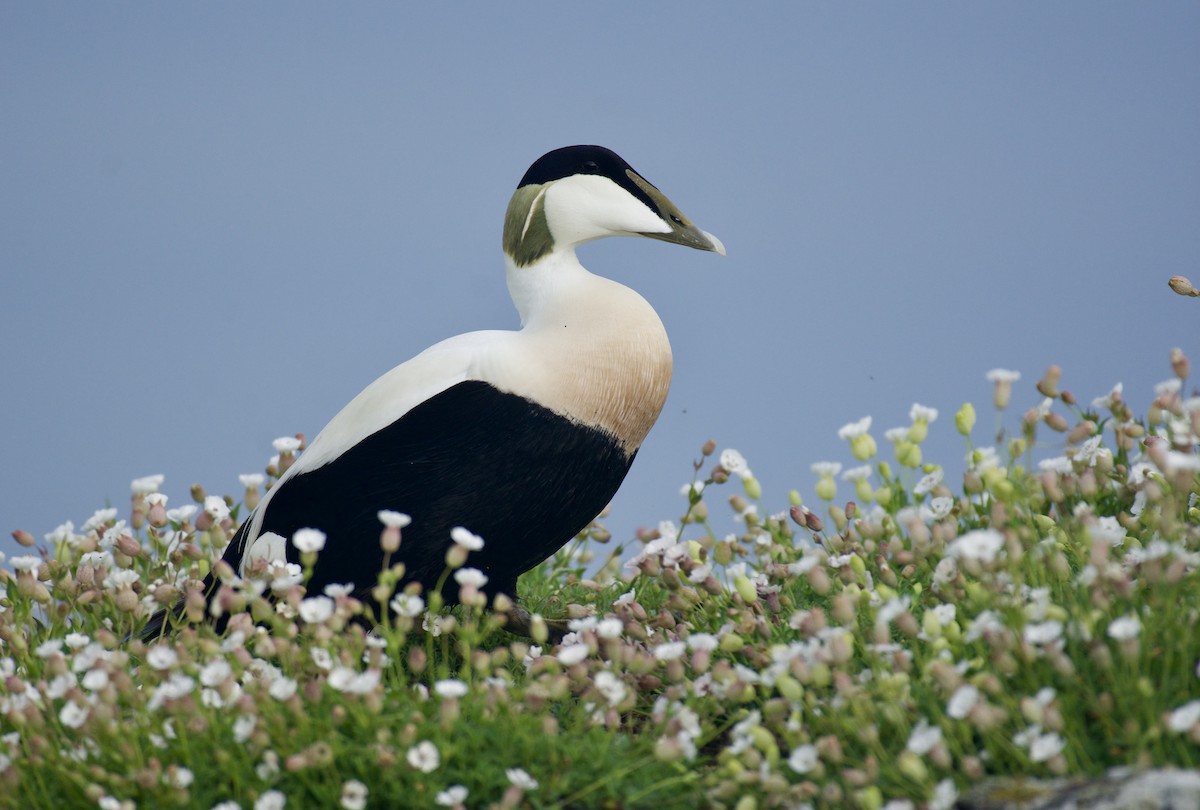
(522, 437)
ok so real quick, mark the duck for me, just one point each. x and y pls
(520, 437)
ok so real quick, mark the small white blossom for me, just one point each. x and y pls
(286, 444)
(215, 672)
(945, 794)
(216, 507)
(243, 727)
(316, 609)
(610, 628)
(610, 686)
(929, 482)
(1040, 633)
(271, 800)
(981, 544)
(407, 604)
(1184, 718)
(393, 520)
(308, 540)
(354, 795)
(72, 715)
(147, 484)
(670, 651)
(734, 462)
(520, 778)
(854, 429)
(1046, 746)
(451, 796)
(282, 688)
(923, 738)
(424, 757)
(470, 576)
(861, 473)
(26, 562)
(803, 759)
(826, 469)
(924, 413)
(450, 688)
(1003, 375)
(161, 657)
(572, 654)
(962, 701)
(465, 538)
(1125, 628)
(252, 480)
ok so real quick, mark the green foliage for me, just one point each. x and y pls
(1041, 618)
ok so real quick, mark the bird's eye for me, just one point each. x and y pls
(676, 219)
(591, 166)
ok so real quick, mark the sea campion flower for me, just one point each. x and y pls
(271, 800)
(309, 540)
(922, 417)
(803, 759)
(466, 538)
(424, 757)
(316, 609)
(354, 795)
(1002, 380)
(861, 443)
(216, 507)
(521, 778)
(450, 688)
(982, 545)
(471, 577)
(862, 487)
(825, 471)
(147, 484)
(1125, 628)
(962, 701)
(734, 463)
(451, 796)
(408, 604)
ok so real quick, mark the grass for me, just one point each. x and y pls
(1039, 617)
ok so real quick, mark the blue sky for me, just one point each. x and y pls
(218, 222)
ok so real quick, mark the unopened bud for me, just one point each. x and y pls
(1182, 286)
(1056, 421)
(709, 448)
(1179, 363)
(23, 538)
(198, 493)
(1068, 398)
(1048, 385)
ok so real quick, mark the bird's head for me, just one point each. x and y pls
(579, 193)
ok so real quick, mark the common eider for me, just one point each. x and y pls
(522, 437)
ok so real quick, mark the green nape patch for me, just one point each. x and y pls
(1039, 616)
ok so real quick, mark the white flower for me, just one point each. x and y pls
(1043, 632)
(215, 672)
(1184, 718)
(803, 759)
(216, 507)
(179, 777)
(183, 514)
(923, 412)
(335, 589)
(896, 434)
(854, 429)
(308, 540)
(252, 480)
(95, 680)
(572, 654)
(962, 701)
(703, 641)
(160, 656)
(344, 679)
(393, 520)
(26, 562)
(77, 640)
(734, 462)
(282, 688)
(354, 795)
(450, 688)
(271, 800)
(981, 544)
(826, 469)
(945, 794)
(100, 517)
(610, 686)
(227, 805)
(1046, 746)
(940, 507)
(424, 757)
(286, 444)
(316, 609)
(520, 778)
(693, 487)
(73, 715)
(923, 738)
(147, 484)
(1125, 628)
(610, 628)
(857, 473)
(455, 794)
(927, 484)
(465, 538)
(243, 727)
(1003, 375)
(1059, 464)
(470, 576)
(670, 651)
(407, 604)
